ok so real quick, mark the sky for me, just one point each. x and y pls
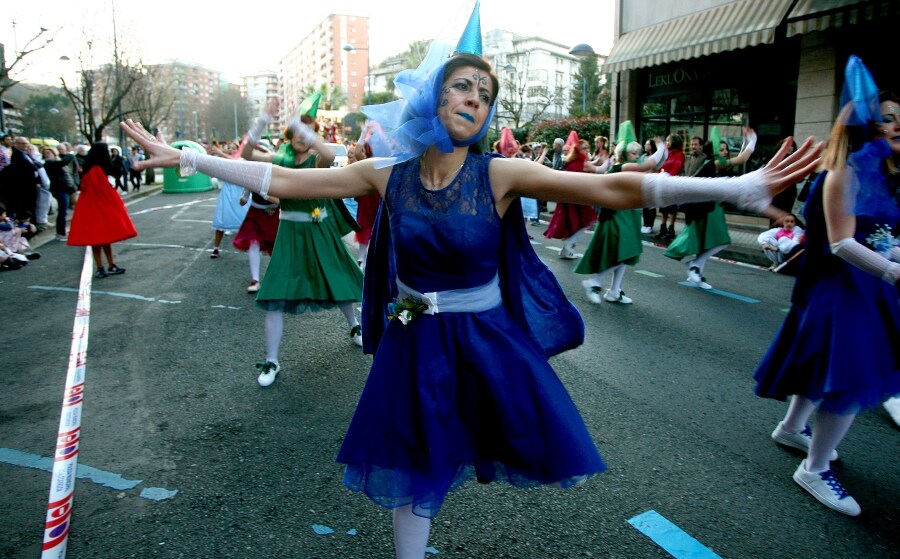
(243, 42)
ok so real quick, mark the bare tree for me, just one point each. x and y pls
(19, 63)
(99, 98)
(152, 99)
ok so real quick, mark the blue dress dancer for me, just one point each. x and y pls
(838, 350)
(459, 311)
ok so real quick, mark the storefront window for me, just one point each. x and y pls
(694, 113)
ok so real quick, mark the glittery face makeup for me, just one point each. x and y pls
(465, 101)
(890, 115)
(889, 128)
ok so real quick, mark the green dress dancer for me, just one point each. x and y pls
(616, 243)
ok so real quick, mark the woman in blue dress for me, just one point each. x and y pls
(838, 351)
(459, 311)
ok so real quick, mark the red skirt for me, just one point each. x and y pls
(569, 219)
(367, 208)
(260, 226)
(100, 216)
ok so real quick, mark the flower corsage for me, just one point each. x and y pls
(316, 215)
(883, 240)
(406, 309)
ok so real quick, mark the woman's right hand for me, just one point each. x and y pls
(159, 154)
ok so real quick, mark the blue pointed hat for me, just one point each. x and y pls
(860, 89)
(470, 40)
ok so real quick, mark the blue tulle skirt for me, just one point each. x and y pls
(457, 396)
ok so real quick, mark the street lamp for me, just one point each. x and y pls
(350, 48)
(583, 50)
(196, 126)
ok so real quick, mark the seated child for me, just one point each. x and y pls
(779, 243)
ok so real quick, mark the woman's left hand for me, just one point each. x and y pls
(158, 153)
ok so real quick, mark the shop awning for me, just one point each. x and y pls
(818, 15)
(731, 26)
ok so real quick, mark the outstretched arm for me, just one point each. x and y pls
(263, 178)
(746, 151)
(625, 190)
(652, 163)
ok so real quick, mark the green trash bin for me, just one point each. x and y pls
(173, 182)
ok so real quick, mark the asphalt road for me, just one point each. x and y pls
(172, 402)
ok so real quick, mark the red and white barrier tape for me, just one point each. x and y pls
(65, 461)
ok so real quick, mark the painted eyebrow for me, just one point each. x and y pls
(471, 82)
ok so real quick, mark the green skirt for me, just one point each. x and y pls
(701, 235)
(615, 241)
(311, 269)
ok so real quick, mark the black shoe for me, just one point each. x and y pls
(32, 255)
(670, 235)
(10, 264)
(115, 270)
(663, 231)
(101, 273)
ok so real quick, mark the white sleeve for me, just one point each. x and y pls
(767, 237)
(866, 260)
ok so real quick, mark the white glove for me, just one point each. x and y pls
(749, 191)
(259, 126)
(304, 132)
(252, 175)
(866, 260)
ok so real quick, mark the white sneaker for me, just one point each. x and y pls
(800, 440)
(268, 370)
(621, 298)
(695, 278)
(592, 290)
(892, 406)
(253, 287)
(356, 334)
(827, 489)
(567, 253)
(646, 230)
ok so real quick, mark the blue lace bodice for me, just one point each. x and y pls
(448, 238)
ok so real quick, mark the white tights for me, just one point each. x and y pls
(275, 329)
(828, 433)
(704, 256)
(570, 242)
(410, 533)
(253, 256)
(617, 272)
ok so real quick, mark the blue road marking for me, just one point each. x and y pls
(675, 541)
(722, 293)
(101, 477)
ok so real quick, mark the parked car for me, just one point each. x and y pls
(340, 154)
